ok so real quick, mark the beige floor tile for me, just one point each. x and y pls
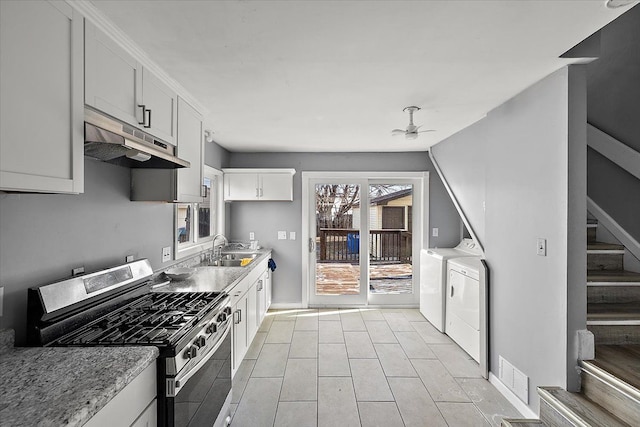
(379, 414)
(256, 345)
(430, 334)
(359, 345)
(413, 315)
(337, 403)
(415, 403)
(333, 361)
(371, 314)
(414, 346)
(398, 322)
(462, 414)
(240, 379)
(380, 332)
(266, 323)
(352, 321)
(258, 405)
(330, 332)
(280, 332)
(328, 314)
(300, 380)
(493, 405)
(297, 414)
(458, 363)
(304, 344)
(441, 385)
(394, 361)
(307, 322)
(272, 361)
(369, 381)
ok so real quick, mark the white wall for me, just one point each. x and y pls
(266, 218)
(523, 150)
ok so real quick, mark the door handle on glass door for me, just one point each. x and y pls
(312, 244)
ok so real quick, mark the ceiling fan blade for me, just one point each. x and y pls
(398, 132)
(426, 130)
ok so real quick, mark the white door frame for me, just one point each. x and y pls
(421, 222)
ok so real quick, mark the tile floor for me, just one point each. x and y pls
(360, 367)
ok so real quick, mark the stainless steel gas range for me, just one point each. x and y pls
(114, 307)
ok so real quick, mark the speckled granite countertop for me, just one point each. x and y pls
(214, 279)
(63, 386)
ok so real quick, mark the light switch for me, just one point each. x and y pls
(542, 247)
(166, 254)
(435, 231)
(282, 235)
(252, 235)
(292, 235)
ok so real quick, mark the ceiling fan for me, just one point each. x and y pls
(411, 132)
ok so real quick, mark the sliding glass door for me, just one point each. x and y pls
(361, 238)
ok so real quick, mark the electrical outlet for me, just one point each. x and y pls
(541, 247)
(166, 254)
(282, 235)
(77, 270)
(1, 299)
(435, 231)
(292, 235)
(128, 258)
(252, 235)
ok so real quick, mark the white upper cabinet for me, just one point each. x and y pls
(113, 78)
(41, 108)
(258, 184)
(191, 149)
(176, 185)
(117, 84)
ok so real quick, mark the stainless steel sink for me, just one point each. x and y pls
(232, 259)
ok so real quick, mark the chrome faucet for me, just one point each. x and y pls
(216, 251)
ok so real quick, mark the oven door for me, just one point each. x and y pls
(205, 394)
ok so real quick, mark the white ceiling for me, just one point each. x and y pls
(334, 76)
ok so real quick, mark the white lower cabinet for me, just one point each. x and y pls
(249, 303)
(135, 404)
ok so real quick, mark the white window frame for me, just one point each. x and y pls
(183, 250)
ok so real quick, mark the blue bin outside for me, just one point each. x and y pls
(353, 243)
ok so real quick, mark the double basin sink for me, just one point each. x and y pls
(233, 259)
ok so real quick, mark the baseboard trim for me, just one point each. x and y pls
(286, 305)
(512, 398)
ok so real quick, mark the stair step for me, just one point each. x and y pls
(613, 276)
(560, 408)
(618, 314)
(606, 247)
(521, 422)
(613, 380)
(604, 259)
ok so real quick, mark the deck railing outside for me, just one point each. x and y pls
(385, 246)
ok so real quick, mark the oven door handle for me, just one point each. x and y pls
(182, 378)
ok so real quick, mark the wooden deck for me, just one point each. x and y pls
(344, 279)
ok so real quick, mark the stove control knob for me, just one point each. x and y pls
(191, 352)
(212, 328)
(222, 317)
(227, 310)
(201, 341)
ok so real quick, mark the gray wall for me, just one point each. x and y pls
(44, 236)
(614, 107)
(523, 149)
(266, 218)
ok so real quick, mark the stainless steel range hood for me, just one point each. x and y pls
(112, 141)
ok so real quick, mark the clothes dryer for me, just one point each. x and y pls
(433, 278)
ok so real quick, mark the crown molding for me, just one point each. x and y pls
(93, 14)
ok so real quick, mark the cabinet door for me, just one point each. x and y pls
(262, 300)
(276, 186)
(41, 106)
(161, 104)
(267, 290)
(241, 186)
(252, 312)
(239, 331)
(113, 78)
(189, 143)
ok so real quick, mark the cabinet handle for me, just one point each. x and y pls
(451, 291)
(239, 315)
(205, 191)
(259, 285)
(149, 116)
(261, 192)
(144, 109)
(257, 192)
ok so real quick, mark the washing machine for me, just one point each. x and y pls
(433, 278)
(463, 303)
